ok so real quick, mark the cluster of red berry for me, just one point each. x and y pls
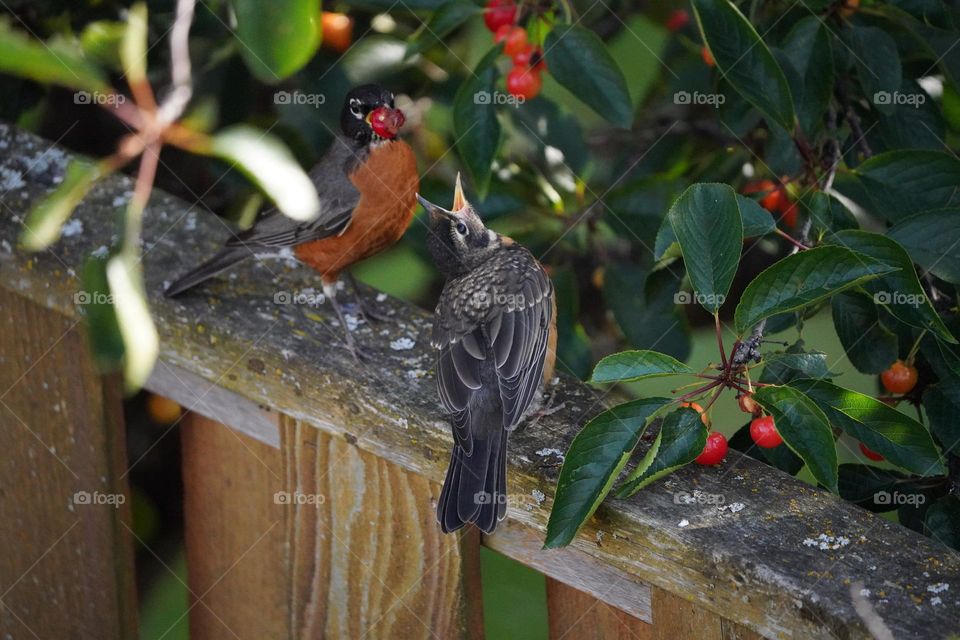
(776, 200)
(762, 430)
(524, 79)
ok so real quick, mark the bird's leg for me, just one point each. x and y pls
(330, 291)
(367, 310)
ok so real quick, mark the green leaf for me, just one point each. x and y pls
(595, 458)
(706, 221)
(475, 123)
(803, 279)
(141, 344)
(645, 307)
(756, 220)
(744, 60)
(870, 346)
(441, 23)
(942, 403)
(942, 522)
(45, 220)
(804, 429)
(878, 65)
(133, 45)
(277, 38)
(580, 62)
(902, 183)
(869, 487)
(900, 439)
(808, 53)
(100, 319)
(899, 291)
(48, 63)
(681, 439)
(932, 239)
(100, 42)
(828, 214)
(628, 366)
(782, 367)
(266, 161)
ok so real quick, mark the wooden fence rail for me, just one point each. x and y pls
(310, 480)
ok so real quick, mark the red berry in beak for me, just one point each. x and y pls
(386, 122)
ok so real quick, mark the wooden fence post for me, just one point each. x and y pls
(66, 562)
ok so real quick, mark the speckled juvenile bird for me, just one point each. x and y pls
(495, 334)
(367, 182)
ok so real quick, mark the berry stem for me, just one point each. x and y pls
(723, 355)
(916, 347)
(697, 392)
(786, 236)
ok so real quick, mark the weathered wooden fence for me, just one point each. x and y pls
(310, 480)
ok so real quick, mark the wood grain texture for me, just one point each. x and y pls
(234, 533)
(368, 559)
(66, 557)
(576, 614)
(749, 564)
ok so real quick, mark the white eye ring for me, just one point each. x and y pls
(355, 107)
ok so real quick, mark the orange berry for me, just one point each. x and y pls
(899, 378)
(696, 407)
(707, 57)
(162, 410)
(337, 30)
(515, 41)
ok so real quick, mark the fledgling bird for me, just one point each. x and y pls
(367, 183)
(495, 333)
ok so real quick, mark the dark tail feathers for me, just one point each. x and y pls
(227, 257)
(475, 489)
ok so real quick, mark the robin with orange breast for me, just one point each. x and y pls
(495, 333)
(367, 183)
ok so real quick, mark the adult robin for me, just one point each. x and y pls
(495, 333)
(367, 183)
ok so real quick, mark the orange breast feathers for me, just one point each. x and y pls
(388, 182)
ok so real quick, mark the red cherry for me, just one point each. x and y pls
(789, 209)
(765, 433)
(899, 378)
(515, 41)
(524, 83)
(499, 13)
(530, 58)
(715, 450)
(870, 453)
(677, 20)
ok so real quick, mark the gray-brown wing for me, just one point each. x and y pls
(338, 198)
(493, 325)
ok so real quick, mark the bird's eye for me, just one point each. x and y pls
(355, 107)
(462, 229)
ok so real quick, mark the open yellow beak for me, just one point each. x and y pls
(459, 200)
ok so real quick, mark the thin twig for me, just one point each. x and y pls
(182, 89)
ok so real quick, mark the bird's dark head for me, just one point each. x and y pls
(458, 239)
(369, 115)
